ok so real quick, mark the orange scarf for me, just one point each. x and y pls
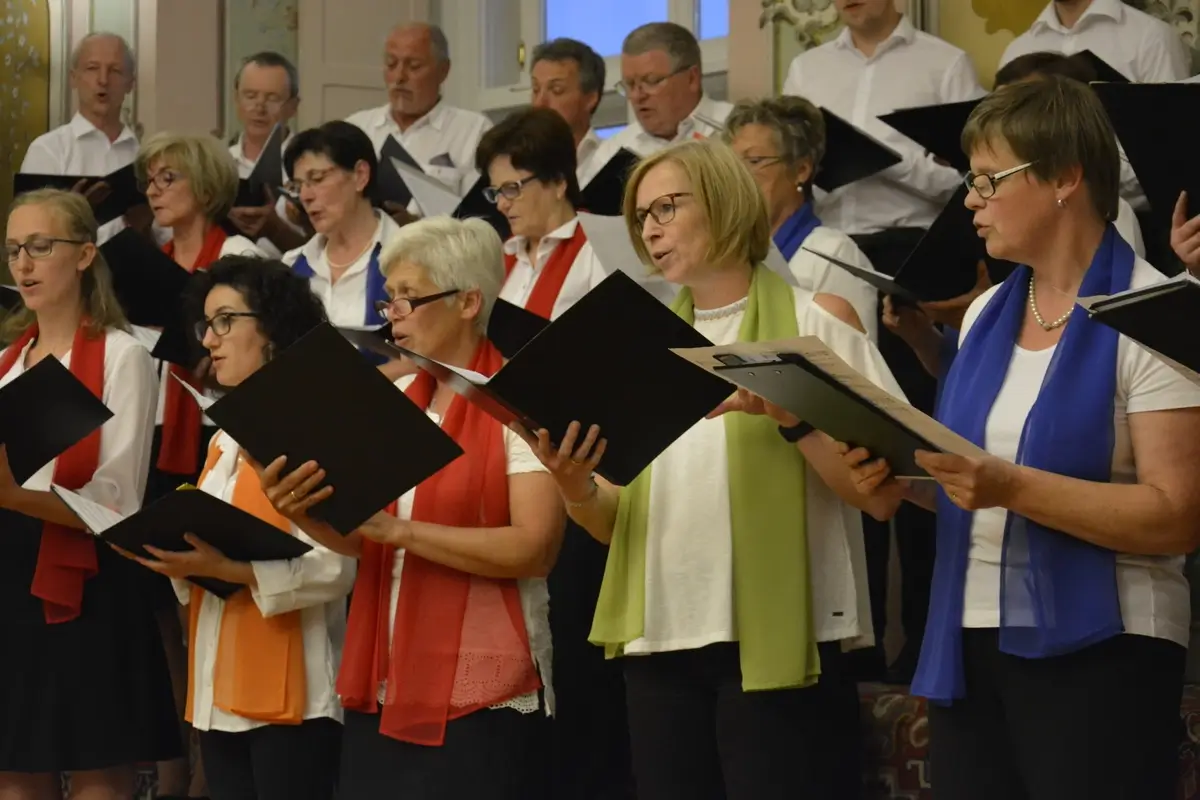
(259, 672)
(181, 416)
(67, 557)
(459, 642)
(552, 277)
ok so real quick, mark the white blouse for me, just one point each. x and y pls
(585, 274)
(315, 584)
(535, 598)
(129, 387)
(817, 275)
(689, 552)
(1153, 591)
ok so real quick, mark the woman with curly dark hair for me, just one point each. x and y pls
(263, 662)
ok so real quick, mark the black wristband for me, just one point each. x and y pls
(796, 432)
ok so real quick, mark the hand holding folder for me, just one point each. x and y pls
(119, 195)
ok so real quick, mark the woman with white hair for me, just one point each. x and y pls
(446, 672)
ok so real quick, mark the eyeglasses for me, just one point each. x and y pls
(221, 323)
(271, 102)
(161, 180)
(985, 184)
(510, 190)
(39, 247)
(399, 307)
(648, 85)
(315, 178)
(661, 209)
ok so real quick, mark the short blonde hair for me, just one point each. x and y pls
(203, 160)
(100, 302)
(733, 206)
(463, 254)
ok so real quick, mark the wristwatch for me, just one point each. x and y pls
(796, 432)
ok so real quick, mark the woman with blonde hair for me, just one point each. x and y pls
(83, 681)
(736, 571)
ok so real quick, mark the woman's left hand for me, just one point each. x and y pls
(202, 561)
(747, 402)
(972, 483)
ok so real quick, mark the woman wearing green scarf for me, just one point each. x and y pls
(736, 572)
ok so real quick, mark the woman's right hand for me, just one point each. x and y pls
(908, 322)
(291, 494)
(868, 475)
(570, 464)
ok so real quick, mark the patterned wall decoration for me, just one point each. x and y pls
(252, 26)
(1014, 16)
(1183, 15)
(24, 83)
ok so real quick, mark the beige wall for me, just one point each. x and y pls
(180, 46)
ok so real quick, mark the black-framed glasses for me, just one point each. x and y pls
(314, 179)
(509, 189)
(650, 84)
(985, 184)
(399, 307)
(38, 247)
(661, 209)
(221, 323)
(161, 180)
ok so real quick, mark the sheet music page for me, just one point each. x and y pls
(146, 337)
(202, 400)
(434, 197)
(96, 517)
(609, 238)
(813, 350)
(779, 265)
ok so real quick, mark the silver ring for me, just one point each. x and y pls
(293, 496)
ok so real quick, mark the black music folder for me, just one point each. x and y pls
(1159, 317)
(510, 327)
(474, 204)
(267, 172)
(42, 413)
(605, 192)
(10, 298)
(1104, 72)
(162, 524)
(122, 195)
(389, 186)
(936, 128)
(851, 154)
(597, 367)
(808, 379)
(320, 400)
(883, 283)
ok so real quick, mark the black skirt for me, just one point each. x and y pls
(88, 694)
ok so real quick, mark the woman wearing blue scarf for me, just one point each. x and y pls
(1053, 658)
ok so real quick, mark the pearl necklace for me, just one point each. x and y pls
(1058, 323)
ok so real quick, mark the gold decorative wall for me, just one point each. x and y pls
(24, 84)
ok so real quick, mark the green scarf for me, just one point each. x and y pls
(771, 583)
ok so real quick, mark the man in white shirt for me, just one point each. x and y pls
(267, 90)
(95, 142)
(1142, 47)
(661, 76)
(440, 137)
(568, 77)
(879, 63)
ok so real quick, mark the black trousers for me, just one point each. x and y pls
(915, 527)
(1099, 724)
(697, 736)
(498, 754)
(275, 762)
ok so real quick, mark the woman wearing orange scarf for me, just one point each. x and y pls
(84, 687)
(262, 663)
(446, 676)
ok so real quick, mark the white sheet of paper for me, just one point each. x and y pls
(474, 377)
(817, 353)
(96, 517)
(202, 400)
(609, 239)
(778, 264)
(147, 337)
(434, 197)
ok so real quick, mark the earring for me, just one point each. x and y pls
(1061, 203)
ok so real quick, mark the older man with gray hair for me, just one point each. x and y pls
(661, 75)
(440, 138)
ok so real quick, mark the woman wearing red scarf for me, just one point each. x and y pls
(84, 687)
(446, 671)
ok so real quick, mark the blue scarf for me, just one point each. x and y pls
(1058, 594)
(375, 292)
(795, 229)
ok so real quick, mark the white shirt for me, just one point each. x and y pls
(583, 155)
(706, 120)
(129, 385)
(1142, 47)
(815, 274)
(1155, 600)
(1128, 226)
(80, 148)
(245, 166)
(910, 68)
(689, 551)
(345, 301)
(442, 142)
(535, 598)
(585, 273)
(315, 584)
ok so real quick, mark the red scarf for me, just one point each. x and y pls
(67, 557)
(553, 275)
(459, 642)
(180, 448)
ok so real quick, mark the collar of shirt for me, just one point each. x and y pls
(699, 120)
(435, 118)
(587, 146)
(1112, 9)
(516, 246)
(81, 127)
(904, 33)
(314, 250)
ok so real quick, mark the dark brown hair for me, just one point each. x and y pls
(535, 139)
